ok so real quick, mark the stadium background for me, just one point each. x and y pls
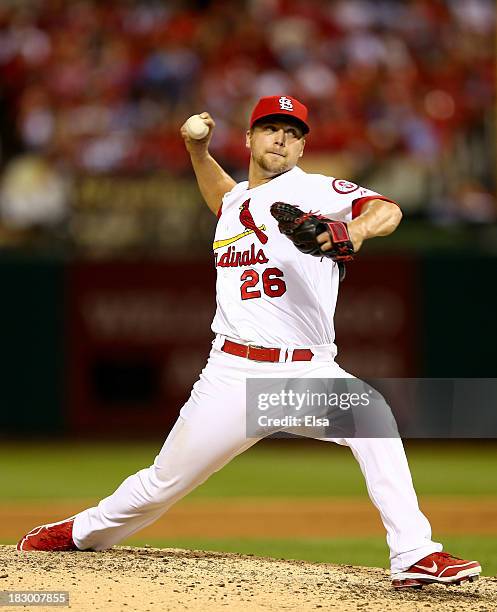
(107, 276)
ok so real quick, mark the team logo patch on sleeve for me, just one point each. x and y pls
(343, 187)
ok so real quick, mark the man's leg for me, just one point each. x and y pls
(192, 452)
(415, 559)
(209, 432)
(388, 480)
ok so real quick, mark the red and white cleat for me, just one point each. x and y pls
(437, 567)
(53, 536)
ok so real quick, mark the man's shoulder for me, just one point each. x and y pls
(242, 186)
(299, 175)
(315, 183)
(337, 186)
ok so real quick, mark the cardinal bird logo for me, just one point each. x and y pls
(248, 223)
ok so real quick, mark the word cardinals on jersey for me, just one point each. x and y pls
(262, 277)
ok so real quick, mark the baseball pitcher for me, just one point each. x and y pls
(282, 240)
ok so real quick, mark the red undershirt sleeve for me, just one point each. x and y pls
(359, 203)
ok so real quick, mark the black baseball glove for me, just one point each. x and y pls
(304, 228)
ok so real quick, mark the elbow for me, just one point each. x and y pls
(397, 215)
(392, 220)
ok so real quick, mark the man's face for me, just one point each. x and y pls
(275, 145)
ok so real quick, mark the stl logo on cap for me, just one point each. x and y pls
(285, 104)
(280, 105)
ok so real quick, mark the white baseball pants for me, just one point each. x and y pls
(210, 431)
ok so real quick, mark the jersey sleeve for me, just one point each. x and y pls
(347, 199)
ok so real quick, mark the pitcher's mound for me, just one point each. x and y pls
(144, 579)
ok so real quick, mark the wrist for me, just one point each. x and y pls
(357, 233)
(199, 156)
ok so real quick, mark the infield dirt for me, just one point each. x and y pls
(263, 518)
(148, 580)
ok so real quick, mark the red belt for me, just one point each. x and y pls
(260, 353)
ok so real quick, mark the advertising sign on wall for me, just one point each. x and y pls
(139, 335)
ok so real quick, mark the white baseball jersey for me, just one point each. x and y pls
(268, 292)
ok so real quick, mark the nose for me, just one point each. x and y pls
(279, 137)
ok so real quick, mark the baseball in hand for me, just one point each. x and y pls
(196, 127)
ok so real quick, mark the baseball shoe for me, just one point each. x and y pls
(53, 536)
(437, 567)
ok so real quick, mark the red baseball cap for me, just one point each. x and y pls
(280, 105)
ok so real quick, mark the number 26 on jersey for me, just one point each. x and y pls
(272, 283)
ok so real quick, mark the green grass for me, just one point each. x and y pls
(42, 471)
(368, 551)
(271, 469)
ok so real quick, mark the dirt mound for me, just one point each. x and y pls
(149, 579)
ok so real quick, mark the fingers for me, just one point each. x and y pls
(324, 241)
(196, 145)
(208, 120)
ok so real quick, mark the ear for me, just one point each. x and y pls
(303, 145)
(247, 139)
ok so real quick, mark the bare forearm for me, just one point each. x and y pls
(212, 180)
(379, 218)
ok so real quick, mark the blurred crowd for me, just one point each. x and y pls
(401, 92)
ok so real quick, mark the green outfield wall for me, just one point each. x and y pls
(33, 353)
(98, 347)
